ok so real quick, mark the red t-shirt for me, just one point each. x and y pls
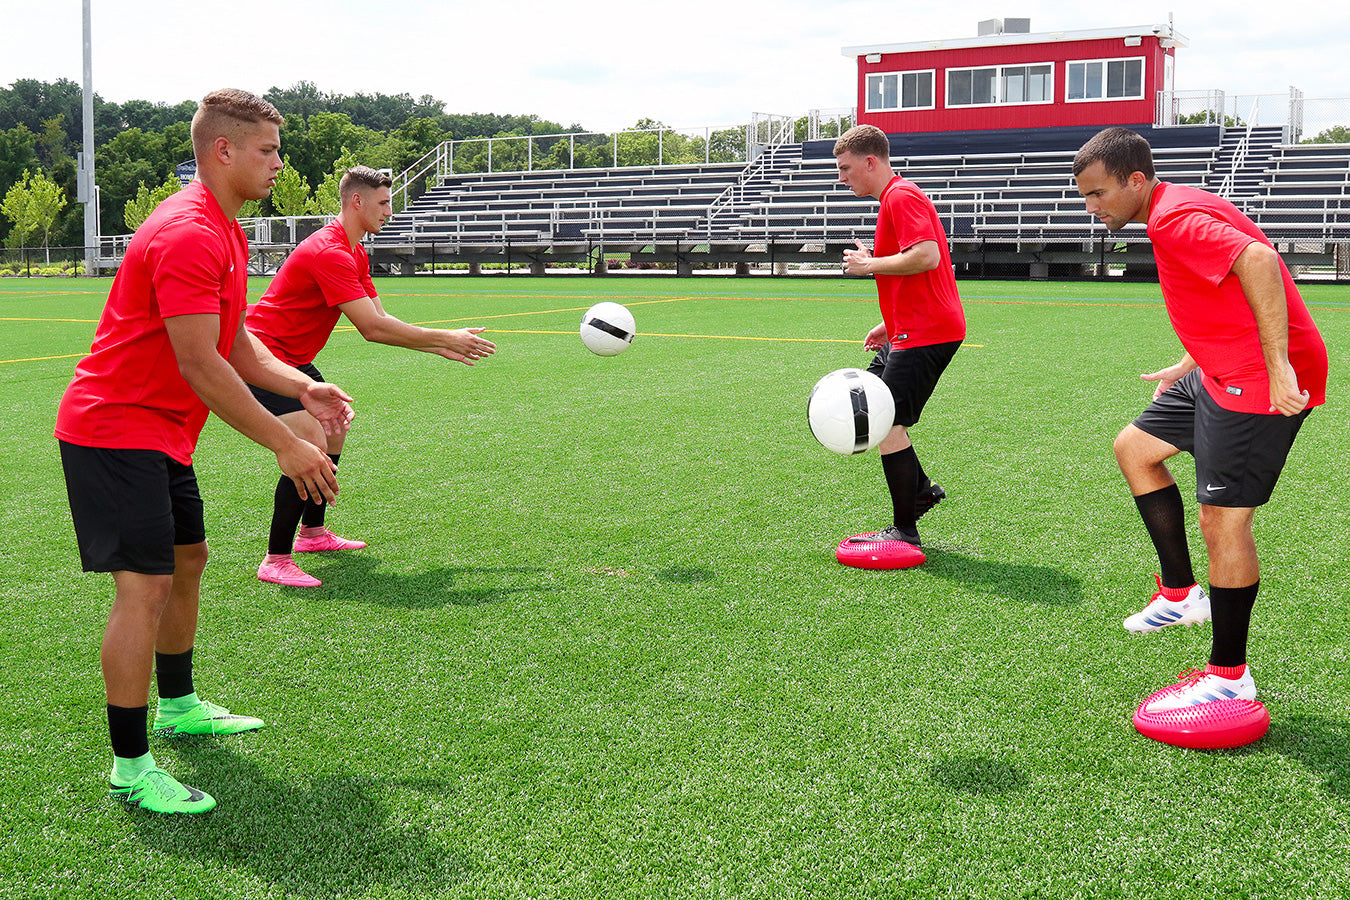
(923, 308)
(299, 309)
(186, 258)
(1197, 237)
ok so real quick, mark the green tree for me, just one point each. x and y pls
(139, 208)
(290, 194)
(1337, 134)
(32, 205)
(134, 157)
(326, 201)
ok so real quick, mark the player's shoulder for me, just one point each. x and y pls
(186, 222)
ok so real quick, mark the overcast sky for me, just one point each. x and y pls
(604, 64)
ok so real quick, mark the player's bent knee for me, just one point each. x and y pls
(188, 558)
(307, 428)
(1137, 449)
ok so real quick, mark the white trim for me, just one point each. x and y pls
(900, 90)
(1143, 79)
(1162, 31)
(999, 77)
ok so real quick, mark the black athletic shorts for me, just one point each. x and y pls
(1238, 456)
(912, 374)
(131, 507)
(279, 404)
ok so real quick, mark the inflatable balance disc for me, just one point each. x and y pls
(864, 554)
(1216, 725)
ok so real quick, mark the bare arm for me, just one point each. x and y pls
(1170, 375)
(922, 257)
(215, 381)
(1258, 271)
(462, 345)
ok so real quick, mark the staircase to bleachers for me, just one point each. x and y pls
(1242, 161)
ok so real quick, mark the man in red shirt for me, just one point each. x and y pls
(171, 347)
(325, 278)
(922, 321)
(1254, 367)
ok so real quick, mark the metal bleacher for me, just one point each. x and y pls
(788, 206)
(1304, 194)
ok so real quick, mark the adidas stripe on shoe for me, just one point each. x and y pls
(1196, 687)
(1161, 612)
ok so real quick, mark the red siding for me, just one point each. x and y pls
(1059, 113)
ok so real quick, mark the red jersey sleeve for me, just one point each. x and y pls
(1211, 244)
(189, 267)
(339, 278)
(912, 224)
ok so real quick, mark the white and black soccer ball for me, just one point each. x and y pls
(850, 411)
(607, 329)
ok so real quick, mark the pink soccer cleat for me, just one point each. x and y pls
(325, 540)
(282, 570)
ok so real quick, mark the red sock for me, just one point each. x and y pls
(1230, 672)
(1174, 594)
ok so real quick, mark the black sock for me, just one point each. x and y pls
(1230, 609)
(126, 728)
(313, 515)
(901, 470)
(1164, 516)
(287, 507)
(173, 674)
(921, 479)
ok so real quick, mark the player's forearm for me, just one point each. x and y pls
(396, 333)
(223, 391)
(255, 364)
(1258, 271)
(922, 257)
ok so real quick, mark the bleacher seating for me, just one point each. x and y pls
(793, 201)
(1305, 192)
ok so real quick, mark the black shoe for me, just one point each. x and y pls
(927, 498)
(889, 533)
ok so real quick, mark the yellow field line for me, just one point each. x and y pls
(41, 358)
(16, 319)
(713, 337)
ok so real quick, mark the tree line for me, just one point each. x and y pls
(138, 145)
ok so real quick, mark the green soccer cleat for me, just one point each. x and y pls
(204, 718)
(158, 791)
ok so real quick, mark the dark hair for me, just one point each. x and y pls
(1121, 152)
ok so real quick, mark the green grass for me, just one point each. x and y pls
(599, 645)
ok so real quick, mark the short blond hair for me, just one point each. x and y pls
(864, 140)
(223, 112)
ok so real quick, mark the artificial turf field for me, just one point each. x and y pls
(599, 645)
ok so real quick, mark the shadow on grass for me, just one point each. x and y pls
(977, 775)
(356, 577)
(324, 837)
(1319, 744)
(1007, 580)
(677, 575)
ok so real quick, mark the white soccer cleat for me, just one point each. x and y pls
(1161, 612)
(1198, 687)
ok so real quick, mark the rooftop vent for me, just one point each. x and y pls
(1004, 26)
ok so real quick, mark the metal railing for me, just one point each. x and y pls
(1239, 155)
